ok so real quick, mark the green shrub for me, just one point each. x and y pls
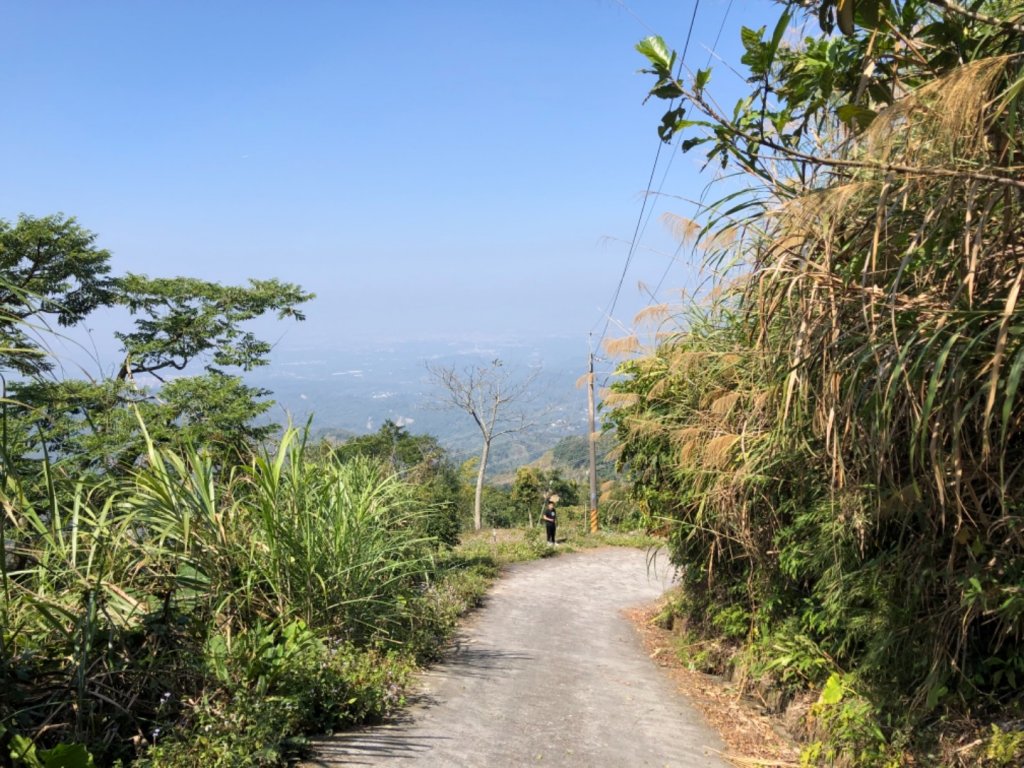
(1004, 748)
(286, 594)
(274, 684)
(848, 730)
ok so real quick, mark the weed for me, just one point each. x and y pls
(1004, 748)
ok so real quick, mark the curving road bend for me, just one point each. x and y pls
(548, 672)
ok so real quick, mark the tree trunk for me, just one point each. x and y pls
(480, 485)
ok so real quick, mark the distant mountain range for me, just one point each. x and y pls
(352, 389)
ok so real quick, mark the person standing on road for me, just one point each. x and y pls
(549, 521)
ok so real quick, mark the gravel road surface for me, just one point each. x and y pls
(548, 672)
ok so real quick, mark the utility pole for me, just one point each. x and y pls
(592, 443)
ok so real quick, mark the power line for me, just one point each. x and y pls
(672, 155)
(640, 222)
(631, 251)
(704, 191)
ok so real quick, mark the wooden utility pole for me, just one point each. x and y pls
(592, 445)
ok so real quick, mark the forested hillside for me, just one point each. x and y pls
(833, 430)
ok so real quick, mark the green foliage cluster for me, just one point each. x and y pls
(1004, 748)
(425, 464)
(498, 508)
(283, 681)
(834, 434)
(168, 604)
(197, 614)
(531, 488)
(617, 511)
(52, 271)
(573, 454)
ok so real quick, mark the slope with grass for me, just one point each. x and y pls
(197, 614)
(833, 433)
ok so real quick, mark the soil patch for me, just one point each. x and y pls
(753, 738)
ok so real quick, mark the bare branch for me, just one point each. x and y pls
(837, 162)
(1008, 24)
(485, 392)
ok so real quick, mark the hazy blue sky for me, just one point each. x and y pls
(437, 168)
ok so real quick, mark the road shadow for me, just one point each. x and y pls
(396, 740)
(372, 746)
(468, 660)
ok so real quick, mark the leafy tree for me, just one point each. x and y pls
(181, 320)
(533, 486)
(527, 492)
(395, 446)
(567, 490)
(806, 95)
(499, 509)
(93, 427)
(50, 270)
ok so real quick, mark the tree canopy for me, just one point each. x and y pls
(180, 320)
(53, 271)
(50, 270)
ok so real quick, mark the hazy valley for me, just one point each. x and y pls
(351, 389)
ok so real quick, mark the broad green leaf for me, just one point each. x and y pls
(689, 144)
(833, 691)
(780, 30)
(935, 693)
(701, 80)
(751, 38)
(23, 752)
(667, 89)
(844, 16)
(856, 116)
(657, 52)
(67, 756)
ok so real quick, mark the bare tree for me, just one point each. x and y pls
(484, 392)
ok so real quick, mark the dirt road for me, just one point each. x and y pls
(549, 672)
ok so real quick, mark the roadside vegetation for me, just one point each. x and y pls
(181, 585)
(831, 431)
(175, 587)
(195, 614)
